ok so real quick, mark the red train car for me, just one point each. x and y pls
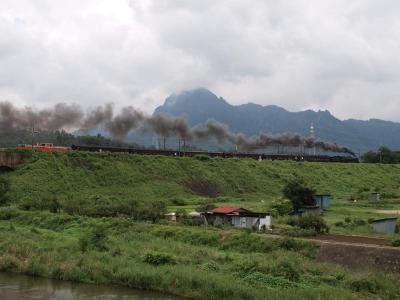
(44, 147)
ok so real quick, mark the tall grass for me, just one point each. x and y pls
(193, 262)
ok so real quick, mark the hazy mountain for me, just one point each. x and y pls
(199, 105)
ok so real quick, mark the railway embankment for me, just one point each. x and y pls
(79, 176)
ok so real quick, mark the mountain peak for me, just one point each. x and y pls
(200, 104)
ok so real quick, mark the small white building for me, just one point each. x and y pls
(239, 218)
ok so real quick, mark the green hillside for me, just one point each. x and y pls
(196, 261)
(87, 178)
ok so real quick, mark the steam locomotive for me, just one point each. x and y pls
(257, 156)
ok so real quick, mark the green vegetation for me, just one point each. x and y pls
(311, 222)
(4, 190)
(194, 262)
(60, 138)
(107, 178)
(299, 193)
(97, 217)
(384, 155)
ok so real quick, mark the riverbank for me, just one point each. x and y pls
(193, 262)
(16, 287)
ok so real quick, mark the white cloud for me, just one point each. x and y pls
(336, 55)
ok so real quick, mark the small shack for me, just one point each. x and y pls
(323, 201)
(306, 210)
(386, 225)
(171, 216)
(239, 218)
(375, 196)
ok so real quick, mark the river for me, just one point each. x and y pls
(22, 287)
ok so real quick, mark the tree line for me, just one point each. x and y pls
(384, 155)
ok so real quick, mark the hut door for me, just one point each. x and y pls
(243, 222)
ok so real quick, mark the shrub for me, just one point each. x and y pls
(256, 278)
(364, 285)
(157, 259)
(313, 222)
(7, 213)
(178, 202)
(359, 222)
(288, 269)
(282, 207)
(95, 239)
(339, 224)
(396, 243)
(4, 189)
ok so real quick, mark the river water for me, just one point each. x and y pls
(21, 287)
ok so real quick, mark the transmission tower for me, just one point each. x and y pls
(312, 136)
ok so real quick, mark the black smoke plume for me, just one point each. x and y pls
(66, 116)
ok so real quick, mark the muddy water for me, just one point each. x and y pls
(21, 287)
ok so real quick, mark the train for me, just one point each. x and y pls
(180, 153)
(44, 147)
(257, 156)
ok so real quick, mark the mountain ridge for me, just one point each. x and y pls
(200, 104)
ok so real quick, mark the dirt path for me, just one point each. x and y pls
(352, 239)
(389, 212)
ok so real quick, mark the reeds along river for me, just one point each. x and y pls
(21, 287)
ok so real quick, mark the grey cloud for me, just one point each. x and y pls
(301, 54)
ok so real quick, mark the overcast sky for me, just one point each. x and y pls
(343, 56)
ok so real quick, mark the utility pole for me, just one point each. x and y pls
(33, 131)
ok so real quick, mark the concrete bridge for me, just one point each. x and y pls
(10, 160)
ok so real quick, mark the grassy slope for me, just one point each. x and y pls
(85, 177)
(149, 177)
(203, 264)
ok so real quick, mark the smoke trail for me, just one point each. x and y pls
(60, 116)
(128, 119)
(64, 116)
(167, 126)
(213, 129)
(98, 117)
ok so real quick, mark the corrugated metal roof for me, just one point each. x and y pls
(227, 210)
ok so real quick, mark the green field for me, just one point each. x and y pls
(189, 261)
(95, 233)
(112, 181)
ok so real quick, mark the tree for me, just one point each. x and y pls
(4, 190)
(154, 210)
(384, 155)
(299, 193)
(282, 207)
(313, 222)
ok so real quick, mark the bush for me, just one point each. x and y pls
(282, 207)
(359, 222)
(157, 259)
(396, 243)
(7, 213)
(256, 278)
(339, 224)
(4, 190)
(95, 239)
(364, 285)
(313, 222)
